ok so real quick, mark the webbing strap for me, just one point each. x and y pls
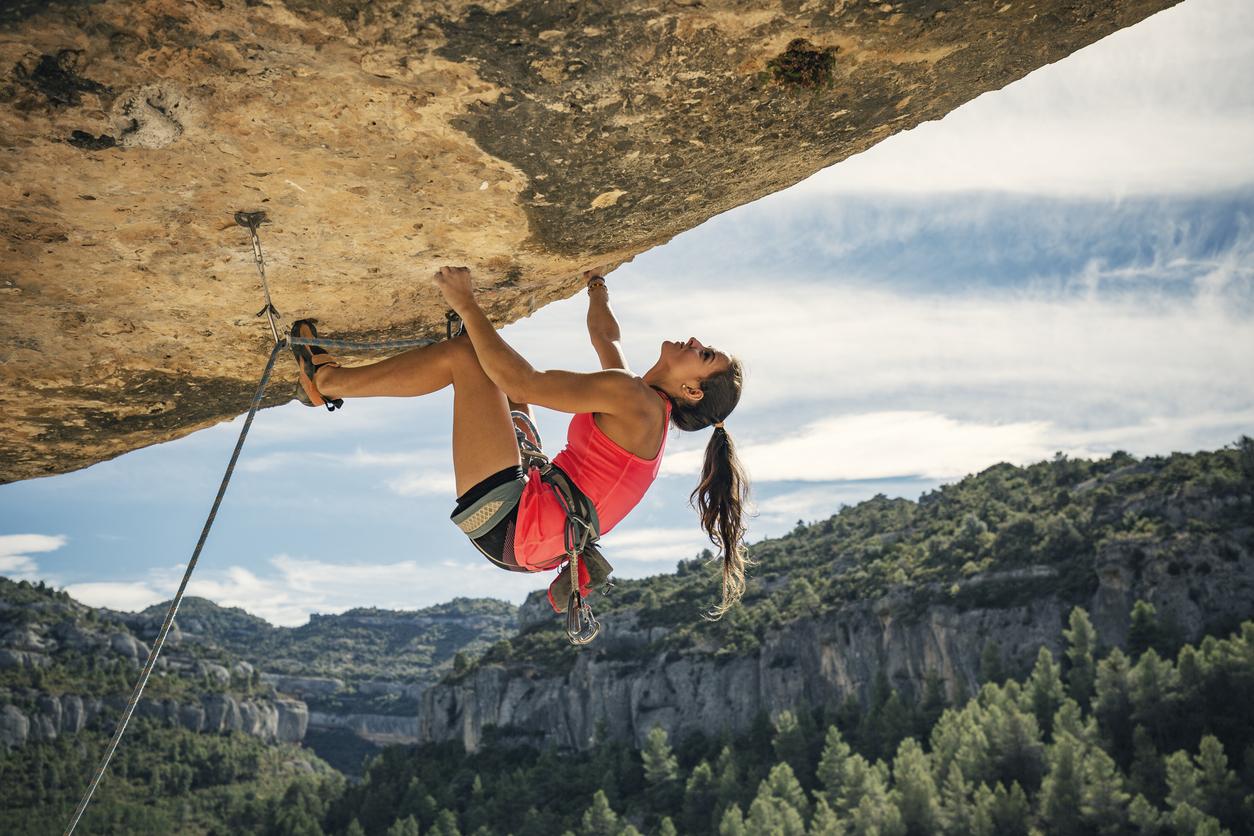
(178, 597)
(349, 345)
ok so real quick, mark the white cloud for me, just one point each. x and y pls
(821, 501)
(16, 549)
(1161, 106)
(882, 445)
(807, 344)
(425, 483)
(358, 458)
(627, 544)
(295, 587)
(116, 595)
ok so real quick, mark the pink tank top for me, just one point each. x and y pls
(613, 478)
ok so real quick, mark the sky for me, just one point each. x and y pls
(1063, 265)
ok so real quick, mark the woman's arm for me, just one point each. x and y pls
(602, 326)
(613, 391)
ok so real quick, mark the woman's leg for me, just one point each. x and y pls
(483, 434)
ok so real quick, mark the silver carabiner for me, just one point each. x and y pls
(581, 625)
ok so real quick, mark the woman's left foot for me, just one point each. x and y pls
(310, 358)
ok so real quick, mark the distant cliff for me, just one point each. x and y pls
(65, 667)
(977, 573)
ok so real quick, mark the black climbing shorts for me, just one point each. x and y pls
(488, 512)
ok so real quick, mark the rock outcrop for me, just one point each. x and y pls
(527, 140)
(47, 717)
(629, 687)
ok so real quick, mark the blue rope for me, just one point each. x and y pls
(178, 597)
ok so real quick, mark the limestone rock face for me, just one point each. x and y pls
(380, 729)
(14, 727)
(629, 688)
(527, 140)
(272, 719)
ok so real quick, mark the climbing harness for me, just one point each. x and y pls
(580, 536)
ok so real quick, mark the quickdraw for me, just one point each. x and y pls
(579, 536)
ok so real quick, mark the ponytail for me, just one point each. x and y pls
(720, 500)
(721, 495)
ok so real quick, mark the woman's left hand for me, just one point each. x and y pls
(456, 286)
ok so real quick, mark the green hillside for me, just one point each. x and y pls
(1157, 738)
(1133, 743)
(1005, 534)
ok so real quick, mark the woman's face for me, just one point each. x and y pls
(691, 360)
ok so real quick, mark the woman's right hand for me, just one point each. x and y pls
(595, 280)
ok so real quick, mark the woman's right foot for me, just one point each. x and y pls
(309, 359)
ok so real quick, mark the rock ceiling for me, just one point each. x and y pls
(526, 140)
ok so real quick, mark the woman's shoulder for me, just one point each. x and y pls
(639, 430)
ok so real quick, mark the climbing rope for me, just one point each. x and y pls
(178, 596)
(251, 221)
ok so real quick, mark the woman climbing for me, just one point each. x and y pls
(615, 440)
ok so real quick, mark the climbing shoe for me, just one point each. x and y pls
(310, 358)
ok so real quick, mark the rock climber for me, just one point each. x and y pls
(614, 443)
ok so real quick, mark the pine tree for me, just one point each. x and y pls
(1061, 790)
(1070, 720)
(1081, 647)
(727, 787)
(1044, 691)
(1153, 686)
(355, 828)
(825, 821)
(700, 799)
(661, 772)
(1112, 705)
(770, 817)
(1144, 632)
(916, 790)
(790, 743)
(660, 765)
(1146, 775)
(960, 737)
(732, 823)
(957, 812)
(667, 827)
(1217, 785)
(1188, 819)
(832, 765)
(1011, 811)
(599, 819)
(1103, 802)
(782, 786)
(856, 778)
(407, 826)
(875, 813)
(893, 723)
(1014, 743)
(445, 824)
(982, 802)
(1145, 817)
(1183, 780)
